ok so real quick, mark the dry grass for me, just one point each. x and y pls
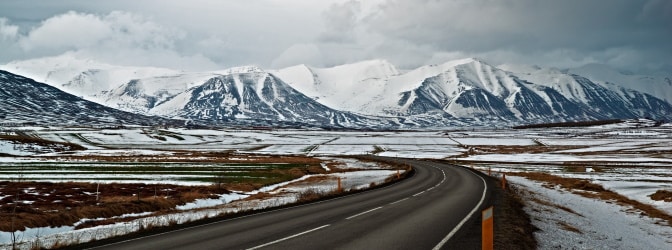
(591, 190)
(66, 203)
(513, 227)
(243, 186)
(550, 204)
(58, 204)
(44, 204)
(568, 227)
(662, 195)
(312, 194)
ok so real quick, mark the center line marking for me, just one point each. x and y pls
(399, 201)
(288, 237)
(367, 211)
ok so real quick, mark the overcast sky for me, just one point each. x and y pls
(204, 35)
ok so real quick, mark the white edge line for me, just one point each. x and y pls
(457, 228)
(288, 237)
(367, 211)
(418, 193)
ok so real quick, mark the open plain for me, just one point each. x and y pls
(164, 176)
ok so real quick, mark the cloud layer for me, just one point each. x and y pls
(567, 33)
(118, 37)
(207, 34)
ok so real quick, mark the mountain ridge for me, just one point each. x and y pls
(376, 94)
(24, 100)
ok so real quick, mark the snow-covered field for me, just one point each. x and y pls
(434, 144)
(629, 159)
(594, 224)
(281, 194)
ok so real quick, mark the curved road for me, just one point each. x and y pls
(422, 212)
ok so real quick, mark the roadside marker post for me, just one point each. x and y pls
(487, 242)
(504, 181)
(339, 188)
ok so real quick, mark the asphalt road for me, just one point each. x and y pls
(422, 212)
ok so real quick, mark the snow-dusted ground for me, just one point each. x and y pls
(12, 148)
(143, 141)
(601, 225)
(633, 162)
(630, 159)
(283, 193)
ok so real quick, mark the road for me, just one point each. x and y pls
(421, 212)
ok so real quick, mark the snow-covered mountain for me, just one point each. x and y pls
(600, 100)
(473, 91)
(373, 94)
(144, 94)
(23, 100)
(242, 93)
(347, 87)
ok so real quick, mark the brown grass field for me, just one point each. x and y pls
(48, 204)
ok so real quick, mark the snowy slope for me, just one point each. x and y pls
(141, 95)
(598, 100)
(349, 87)
(257, 96)
(23, 100)
(656, 85)
(81, 77)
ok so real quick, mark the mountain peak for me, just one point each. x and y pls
(454, 63)
(520, 68)
(241, 70)
(372, 68)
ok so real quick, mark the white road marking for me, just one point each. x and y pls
(418, 193)
(288, 237)
(457, 228)
(367, 211)
(399, 201)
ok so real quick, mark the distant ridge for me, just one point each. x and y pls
(371, 94)
(569, 124)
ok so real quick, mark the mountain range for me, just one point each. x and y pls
(368, 94)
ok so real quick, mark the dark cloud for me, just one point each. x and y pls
(620, 32)
(341, 21)
(632, 34)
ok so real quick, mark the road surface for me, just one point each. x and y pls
(422, 212)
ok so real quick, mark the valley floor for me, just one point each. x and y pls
(584, 188)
